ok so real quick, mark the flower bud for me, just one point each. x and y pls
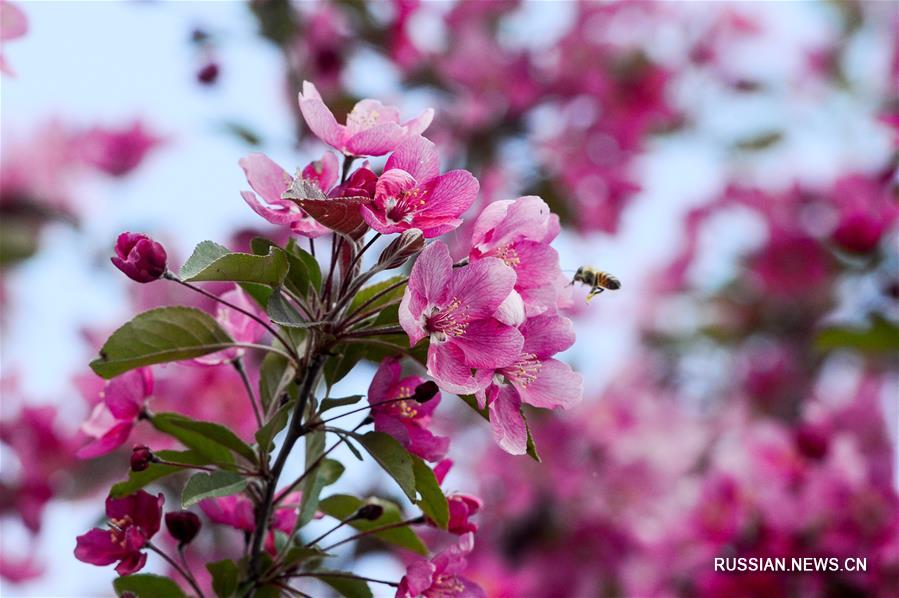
(183, 525)
(371, 512)
(409, 243)
(208, 74)
(141, 457)
(139, 257)
(425, 391)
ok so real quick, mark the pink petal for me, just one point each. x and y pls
(511, 311)
(427, 445)
(430, 277)
(319, 118)
(376, 141)
(265, 177)
(13, 22)
(556, 385)
(410, 316)
(126, 394)
(509, 430)
(481, 286)
(368, 113)
(97, 548)
(446, 366)
(283, 214)
(110, 441)
(547, 335)
(417, 156)
(132, 563)
(538, 264)
(449, 194)
(489, 344)
(489, 219)
(420, 123)
(385, 378)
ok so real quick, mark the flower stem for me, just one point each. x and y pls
(375, 530)
(238, 365)
(345, 576)
(184, 573)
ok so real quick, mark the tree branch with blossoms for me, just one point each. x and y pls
(485, 328)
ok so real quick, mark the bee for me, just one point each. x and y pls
(598, 280)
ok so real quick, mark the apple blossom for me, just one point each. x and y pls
(112, 419)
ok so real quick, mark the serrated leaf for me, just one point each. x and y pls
(432, 501)
(266, 434)
(345, 584)
(312, 487)
(225, 577)
(158, 336)
(330, 403)
(140, 479)
(299, 277)
(147, 585)
(269, 269)
(280, 311)
(392, 457)
(187, 430)
(340, 214)
(211, 485)
(342, 506)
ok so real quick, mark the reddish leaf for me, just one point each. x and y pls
(340, 214)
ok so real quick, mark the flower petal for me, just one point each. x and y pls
(265, 177)
(446, 366)
(509, 429)
(547, 334)
(97, 548)
(417, 156)
(376, 141)
(556, 385)
(320, 119)
(489, 344)
(482, 286)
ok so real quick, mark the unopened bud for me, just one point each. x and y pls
(425, 391)
(183, 525)
(371, 512)
(409, 243)
(139, 257)
(141, 457)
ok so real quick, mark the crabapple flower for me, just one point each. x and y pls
(440, 576)
(239, 326)
(113, 418)
(133, 520)
(372, 129)
(139, 257)
(519, 233)
(13, 25)
(117, 151)
(238, 511)
(270, 181)
(461, 506)
(455, 307)
(411, 193)
(534, 378)
(396, 412)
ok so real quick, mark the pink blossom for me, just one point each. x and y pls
(440, 576)
(139, 257)
(411, 193)
(13, 25)
(397, 413)
(519, 233)
(117, 151)
(238, 511)
(113, 418)
(461, 506)
(239, 326)
(534, 378)
(372, 128)
(133, 520)
(455, 307)
(270, 181)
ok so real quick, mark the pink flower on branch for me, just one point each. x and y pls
(133, 521)
(441, 576)
(237, 511)
(411, 193)
(534, 378)
(270, 181)
(397, 412)
(113, 418)
(456, 308)
(372, 129)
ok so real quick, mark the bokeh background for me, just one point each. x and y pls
(733, 163)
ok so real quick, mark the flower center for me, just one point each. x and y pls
(400, 207)
(451, 320)
(508, 254)
(525, 370)
(448, 584)
(118, 527)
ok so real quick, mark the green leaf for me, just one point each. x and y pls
(298, 278)
(389, 298)
(211, 485)
(313, 269)
(472, 402)
(327, 404)
(139, 479)
(266, 434)
(311, 488)
(160, 335)
(225, 577)
(393, 458)
(187, 430)
(280, 311)
(881, 336)
(432, 502)
(345, 584)
(208, 263)
(275, 374)
(297, 554)
(342, 506)
(147, 585)
(258, 292)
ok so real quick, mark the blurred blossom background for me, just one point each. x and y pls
(732, 163)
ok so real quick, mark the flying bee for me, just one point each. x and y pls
(597, 280)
